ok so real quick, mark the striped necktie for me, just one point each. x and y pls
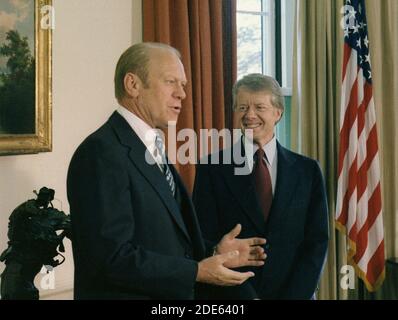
(163, 165)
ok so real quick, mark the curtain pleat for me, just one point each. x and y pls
(200, 30)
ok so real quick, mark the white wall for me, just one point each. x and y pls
(88, 39)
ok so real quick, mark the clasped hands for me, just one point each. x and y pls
(231, 253)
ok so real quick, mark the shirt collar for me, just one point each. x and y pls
(146, 133)
(269, 149)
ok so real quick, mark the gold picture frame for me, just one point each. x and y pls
(41, 139)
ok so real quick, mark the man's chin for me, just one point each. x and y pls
(253, 136)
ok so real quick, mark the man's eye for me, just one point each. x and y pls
(261, 107)
(170, 81)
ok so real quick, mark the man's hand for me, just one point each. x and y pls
(250, 251)
(213, 271)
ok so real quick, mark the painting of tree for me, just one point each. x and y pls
(26, 76)
(17, 86)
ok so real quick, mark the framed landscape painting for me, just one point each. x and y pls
(25, 76)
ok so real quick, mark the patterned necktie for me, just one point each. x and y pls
(263, 183)
(164, 166)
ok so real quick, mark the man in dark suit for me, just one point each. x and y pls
(281, 197)
(135, 234)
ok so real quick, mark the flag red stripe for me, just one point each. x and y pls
(349, 120)
(346, 58)
(376, 264)
(371, 144)
(368, 94)
(343, 214)
(353, 232)
(361, 118)
(352, 182)
(374, 205)
(364, 107)
(374, 208)
(362, 179)
(371, 147)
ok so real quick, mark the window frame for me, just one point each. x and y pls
(277, 34)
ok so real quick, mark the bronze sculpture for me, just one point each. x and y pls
(36, 231)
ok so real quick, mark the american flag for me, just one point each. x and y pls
(358, 207)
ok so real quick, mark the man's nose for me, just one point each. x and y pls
(180, 92)
(251, 112)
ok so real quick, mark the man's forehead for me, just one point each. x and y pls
(159, 56)
(248, 93)
(159, 51)
(166, 63)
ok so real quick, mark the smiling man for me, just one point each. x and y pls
(282, 198)
(135, 234)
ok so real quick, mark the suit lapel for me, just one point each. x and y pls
(189, 216)
(151, 173)
(286, 182)
(243, 189)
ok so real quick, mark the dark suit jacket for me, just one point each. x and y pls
(131, 238)
(296, 231)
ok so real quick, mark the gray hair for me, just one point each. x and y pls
(136, 60)
(256, 82)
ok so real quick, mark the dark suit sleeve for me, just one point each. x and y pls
(312, 253)
(204, 199)
(103, 223)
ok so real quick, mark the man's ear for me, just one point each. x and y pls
(279, 114)
(132, 84)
